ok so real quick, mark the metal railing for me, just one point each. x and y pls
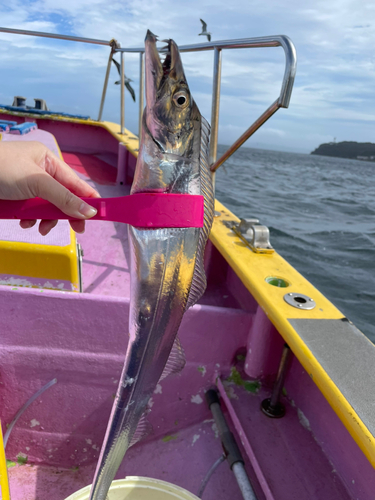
(55, 35)
(217, 46)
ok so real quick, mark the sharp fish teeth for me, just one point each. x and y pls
(163, 56)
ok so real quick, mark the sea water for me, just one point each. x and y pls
(321, 216)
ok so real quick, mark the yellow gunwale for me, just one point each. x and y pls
(253, 269)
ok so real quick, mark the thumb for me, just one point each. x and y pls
(46, 187)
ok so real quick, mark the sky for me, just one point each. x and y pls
(333, 96)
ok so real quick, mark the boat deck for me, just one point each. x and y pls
(285, 445)
(81, 339)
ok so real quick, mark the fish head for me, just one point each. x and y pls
(170, 109)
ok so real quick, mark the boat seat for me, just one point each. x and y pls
(28, 259)
(23, 128)
(35, 135)
(6, 124)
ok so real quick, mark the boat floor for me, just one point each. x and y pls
(293, 463)
(185, 456)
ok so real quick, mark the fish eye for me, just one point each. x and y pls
(181, 99)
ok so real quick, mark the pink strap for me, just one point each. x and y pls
(140, 210)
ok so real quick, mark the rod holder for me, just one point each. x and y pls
(273, 407)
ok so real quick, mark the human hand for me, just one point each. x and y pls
(30, 169)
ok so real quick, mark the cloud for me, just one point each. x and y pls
(335, 76)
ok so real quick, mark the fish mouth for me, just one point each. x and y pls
(153, 63)
(167, 63)
(157, 71)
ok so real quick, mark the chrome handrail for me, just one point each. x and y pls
(55, 35)
(246, 43)
(217, 46)
(112, 43)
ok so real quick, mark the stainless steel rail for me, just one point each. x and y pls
(215, 105)
(111, 43)
(55, 35)
(247, 43)
(122, 93)
(217, 46)
(104, 92)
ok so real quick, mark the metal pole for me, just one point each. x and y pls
(231, 450)
(122, 104)
(105, 86)
(141, 91)
(215, 105)
(272, 407)
(249, 132)
(215, 108)
(55, 35)
(243, 481)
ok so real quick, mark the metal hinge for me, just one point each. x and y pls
(254, 235)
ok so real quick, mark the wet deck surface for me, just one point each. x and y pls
(186, 457)
(293, 463)
(291, 460)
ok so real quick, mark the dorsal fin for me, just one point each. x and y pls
(176, 360)
(199, 282)
(175, 364)
(144, 428)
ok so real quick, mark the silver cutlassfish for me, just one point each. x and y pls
(167, 273)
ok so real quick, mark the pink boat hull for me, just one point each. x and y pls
(81, 340)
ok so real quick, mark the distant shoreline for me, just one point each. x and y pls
(364, 151)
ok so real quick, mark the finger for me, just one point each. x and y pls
(60, 171)
(45, 226)
(26, 223)
(78, 226)
(46, 187)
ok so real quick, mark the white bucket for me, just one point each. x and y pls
(139, 488)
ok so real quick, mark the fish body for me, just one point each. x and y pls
(167, 274)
